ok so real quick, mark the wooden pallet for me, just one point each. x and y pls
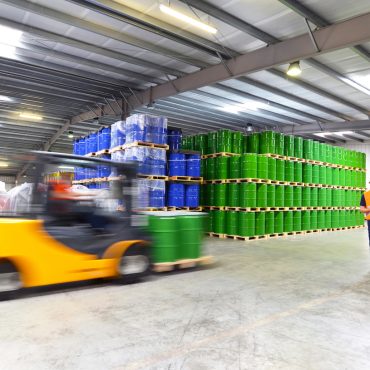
(152, 209)
(247, 238)
(216, 235)
(186, 178)
(152, 177)
(295, 233)
(275, 235)
(182, 264)
(276, 156)
(221, 154)
(192, 209)
(144, 144)
(215, 208)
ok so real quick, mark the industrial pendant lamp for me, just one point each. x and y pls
(294, 69)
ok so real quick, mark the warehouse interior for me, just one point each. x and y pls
(211, 73)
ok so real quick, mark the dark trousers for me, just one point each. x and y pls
(368, 229)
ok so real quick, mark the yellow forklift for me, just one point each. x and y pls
(89, 236)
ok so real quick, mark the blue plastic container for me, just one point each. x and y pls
(104, 170)
(177, 164)
(100, 139)
(176, 195)
(157, 193)
(82, 146)
(93, 143)
(193, 165)
(192, 196)
(104, 143)
(174, 139)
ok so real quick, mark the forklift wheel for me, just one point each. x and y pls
(134, 265)
(10, 282)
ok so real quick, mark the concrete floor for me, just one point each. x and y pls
(294, 303)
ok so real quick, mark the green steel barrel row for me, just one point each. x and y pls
(259, 166)
(270, 142)
(249, 224)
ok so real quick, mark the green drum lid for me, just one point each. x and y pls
(222, 167)
(248, 165)
(279, 195)
(218, 221)
(233, 194)
(271, 201)
(269, 223)
(232, 222)
(164, 232)
(260, 223)
(289, 171)
(279, 222)
(247, 224)
(261, 195)
(298, 171)
(220, 191)
(297, 221)
(271, 168)
(248, 195)
(288, 221)
(234, 167)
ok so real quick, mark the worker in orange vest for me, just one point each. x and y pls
(365, 209)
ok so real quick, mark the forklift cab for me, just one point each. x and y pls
(85, 231)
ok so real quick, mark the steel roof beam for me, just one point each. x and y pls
(353, 138)
(101, 30)
(365, 134)
(318, 91)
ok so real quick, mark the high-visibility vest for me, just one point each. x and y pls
(367, 201)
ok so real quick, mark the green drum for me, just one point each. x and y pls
(262, 167)
(307, 173)
(316, 151)
(233, 194)
(237, 142)
(298, 171)
(164, 231)
(342, 176)
(321, 220)
(234, 167)
(322, 152)
(196, 142)
(270, 223)
(335, 223)
(288, 196)
(220, 197)
(202, 195)
(271, 202)
(314, 220)
(209, 224)
(329, 153)
(280, 143)
(279, 222)
(191, 228)
(315, 174)
(334, 155)
(210, 168)
(218, 222)
(224, 141)
(271, 168)
(253, 143)
(267, 142)
(184, 143)
(297, 221)
(336, 198)
(298, 147)
(329, 175)
(306, 220)
(279, 195)
(328, 224)
(308, 149)
(297, 196)
(210, 194)
(222, 167)
(211, 142)
(306, 196)
(203, 168)
(280, 169)
(247, 224)
(232, 222)
(289, 145)
(248, 166)
(262, 195)
(322, 197)
(248, 195)
(322, 175)
(203, 143)
(288, 221)
(289, 171)
(335, 176)
(329, 197)
(260, 223)
(314, 197)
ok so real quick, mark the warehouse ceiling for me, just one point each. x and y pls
(80, 64)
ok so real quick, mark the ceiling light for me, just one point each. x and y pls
(231, 109)
(9, 39)
(66, 167)
(182, 17)
(70, 134)
(5, 98)
(3, 165)
(249, 127)
(294, 69)
(253, 105)
(344, 133)
(31, 116)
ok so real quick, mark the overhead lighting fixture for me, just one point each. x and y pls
(249, 127)
(9, 39)
(3, 165)
(294, 69)
(341, 133)
(231, 109)
(5, 98)
(31, 116)
(70, 134)
(182, 17)
(66, 167)
(248, 105)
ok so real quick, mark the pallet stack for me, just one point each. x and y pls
(280, 184)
